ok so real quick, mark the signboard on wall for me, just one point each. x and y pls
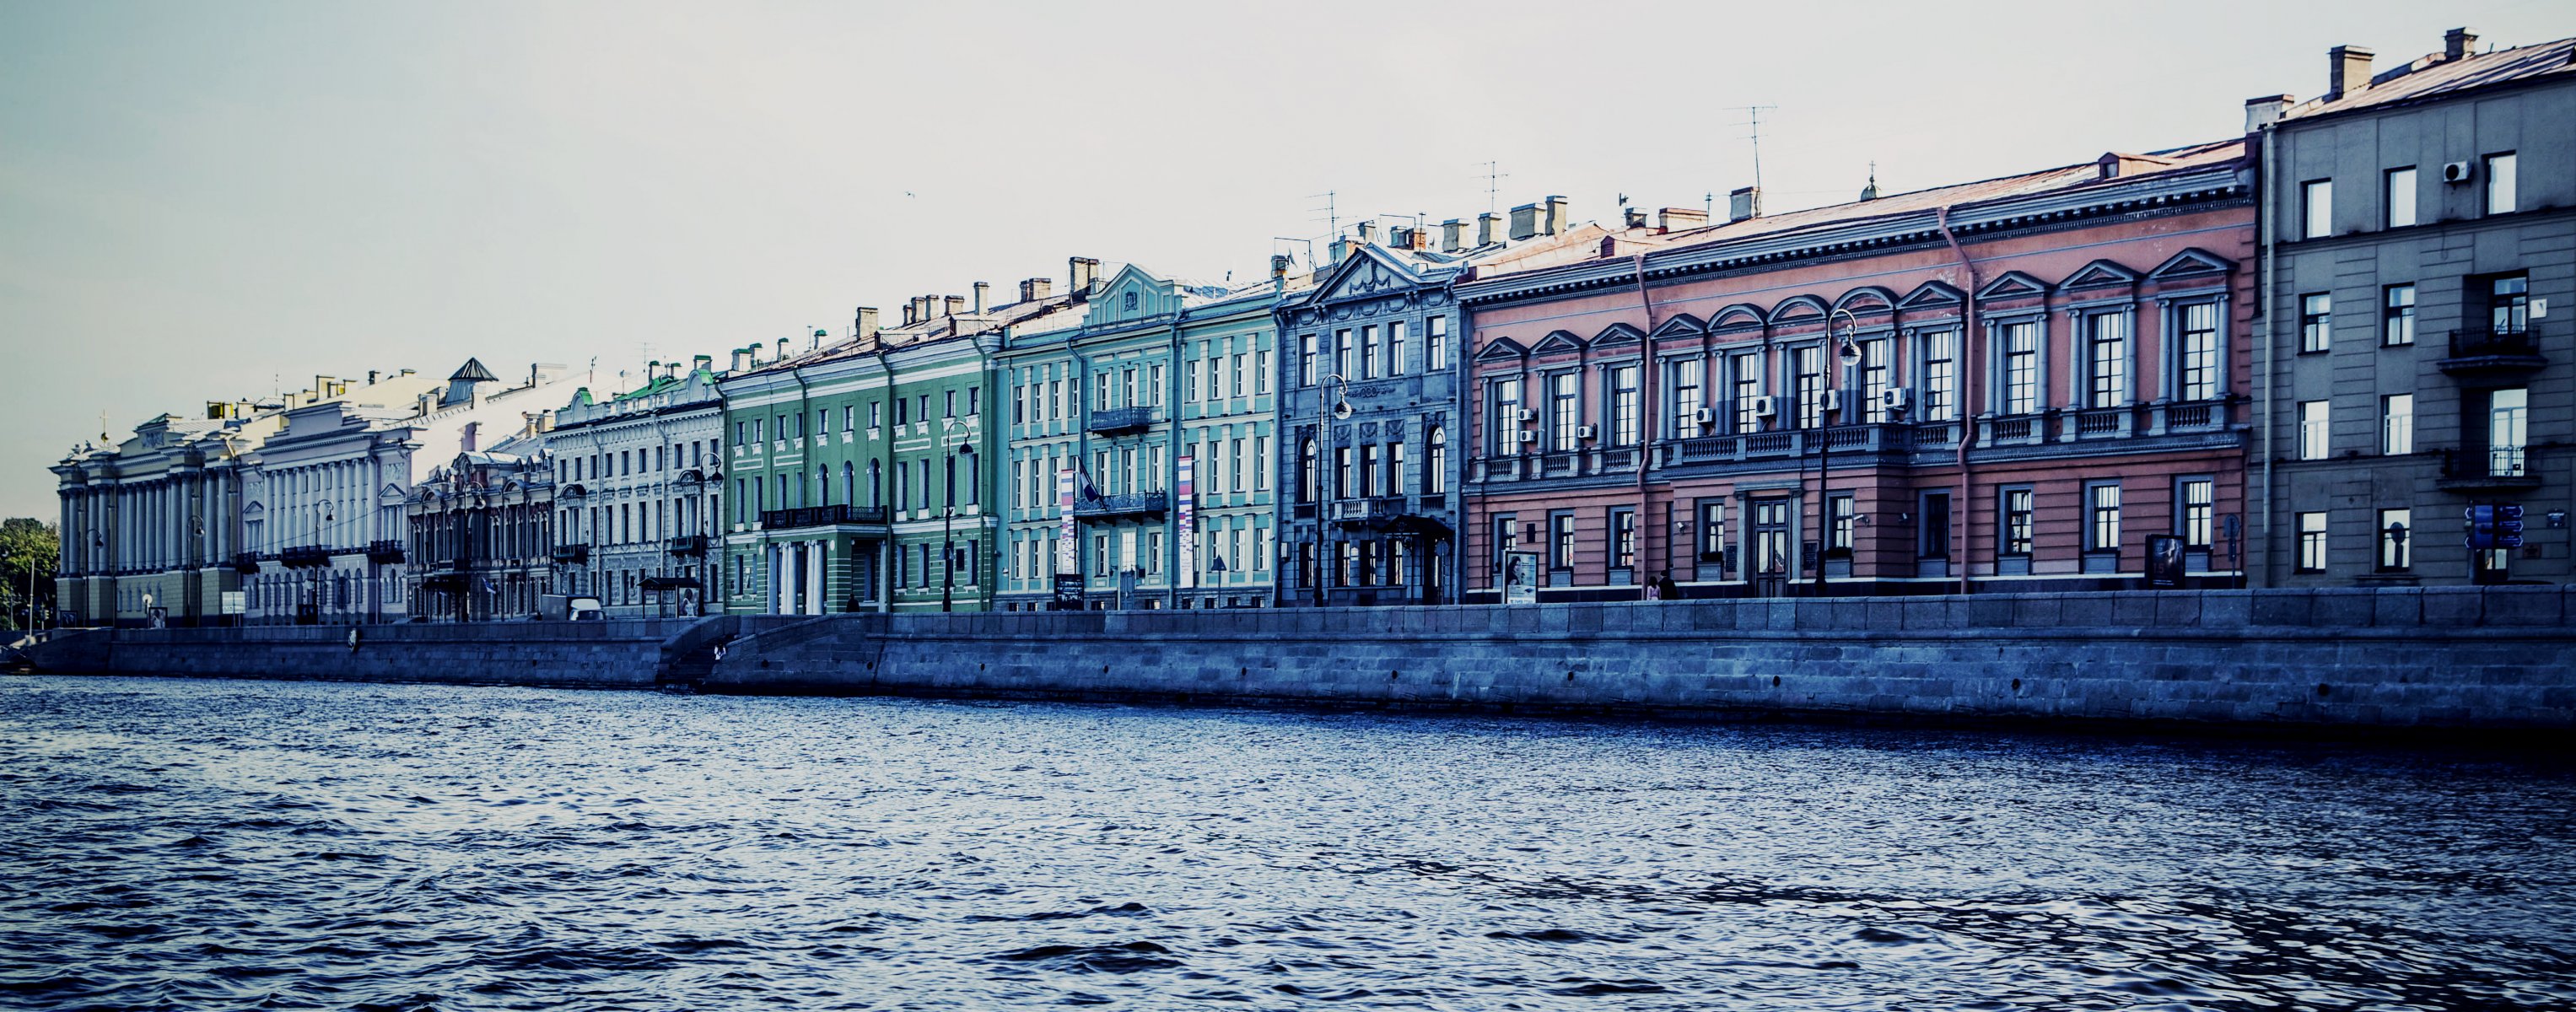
(1187, 532)
(1520, 578)
(1066, 560)
(2164, 561)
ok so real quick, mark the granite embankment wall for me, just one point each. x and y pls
(2400, 658)
(2455, 658)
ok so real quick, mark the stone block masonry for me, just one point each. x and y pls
(2501, 658)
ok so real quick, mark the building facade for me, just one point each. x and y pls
(2009, 383)
(2420, 227)
(639, 479)
(1151, 419)
(481, 533)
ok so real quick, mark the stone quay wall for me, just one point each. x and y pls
(2501, 658)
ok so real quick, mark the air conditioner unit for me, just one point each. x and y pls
(1529, 437)
(1896, 398)
(1528, 414)
(1701, 416)
(2457, 172)
(1766, 406)
(1586, 431)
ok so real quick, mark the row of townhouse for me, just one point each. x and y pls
(2293, 357)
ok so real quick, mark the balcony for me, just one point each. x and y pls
(821, 516)
(304, 557)
(1371, 510)
(2476, 471)
(572, 555)
(246, 563)
(2493, 354)
(689, 544)
(385, 552)
(1111, 420)
(1134, 504)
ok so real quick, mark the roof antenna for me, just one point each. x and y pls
(1754, 120)
(1494, 176)
(1332, 216)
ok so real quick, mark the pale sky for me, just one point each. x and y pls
(202, 201)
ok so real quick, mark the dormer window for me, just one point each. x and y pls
(1128, 303)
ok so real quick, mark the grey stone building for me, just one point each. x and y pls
(2420, 323)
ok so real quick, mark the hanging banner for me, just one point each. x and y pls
(1186, 521)
(1065, 562)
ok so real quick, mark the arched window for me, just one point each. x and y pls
(1306, 464)
(849, 484)
(876, 484)
(1435, 466)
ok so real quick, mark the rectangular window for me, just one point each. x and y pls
(1712, 531)
(1261, 371)
(2399, 197)
(1394, 467)
(1807, 384)
(1564, 410)
(2107, 360)
(1687, 399)
(2316, 322)
(1624, 405)
(2316, 209)
(2017, 521)
(1623, 539)
(2509, 304)
(2508, 431)
(1368, 352)
(1874, 373)
(1342, 477)
(1842, 518)
(2312, 542)
(1342, 352)
(2020, 343)
(1561, 542)
(2196, 520)
(1241, 387)
(1940, 388)
(1369, 470)
(1306, 361)
(1746, 369)
(2397, 315)
(2199, 347)
(875, 416)
(2313, 435)
(2395, 528)
(2103, 503)
(2501, 198)
(1435, 348)
(1261, 463)
(2397, 424)
(1395, 348)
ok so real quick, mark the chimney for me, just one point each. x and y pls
(1368, 231)
(469, 438)
(1453, 235)
(1489, 229)
(956, 304)
(1678, 219)
(1279, 263)
(1744, 202)
(2457, 42)
(371, 377)
(782, 350)
(702, 363)
(1524, 221)
(2347, 70)
(1554, 223)
(982, 289)
(1035, 289)
(865, 324)
(1340, 249)
(1081, 274)
(1635, 216)
(741, 360)
(2265, 111)
(910, 307)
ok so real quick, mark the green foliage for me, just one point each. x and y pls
(26, 544)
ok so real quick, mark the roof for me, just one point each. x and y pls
(2432, 76)
(1050, 311)
(473, 372)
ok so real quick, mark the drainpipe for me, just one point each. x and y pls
(2271, 339)
(1646, 410)
(1972, 363)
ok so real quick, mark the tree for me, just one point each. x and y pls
(28, 548)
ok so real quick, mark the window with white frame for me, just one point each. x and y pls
(2312, 430)
(2102, 503)
(1564, 409)
(2198, 344)
(1745, 369)
(2312, 542)
(2316, 322)
(2397, 315)
(1874, 378)
(2019, 344)
(2106, 360)
(2396, 551)
(2397, 424)
(2500, 195)
(1435, 348)
(1684, 380)
(2316, 209)
(1625, 406)
(1395, 348)
(2196, 520)
(1938, 390)
(2397, 197)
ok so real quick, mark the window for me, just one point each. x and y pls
(2507, 431)
(902, 410)
(1261, 463)
(2395, 554)
(2500, 184)
(1127, 303)
(1623, 539)
(1564, 410)
(975, 400)
(2316, 209)
(1368, 352)
(2103, 533)
(874, 415)
(2509, 304)
(1342, 353)
(2312, 542)
(1687, 399)
(1306, 476)
(1807, 384)
(1394, 467)
(1746, 368)
(2312, 430)
(2021, 367)
(2398, 197)
(2017, 521)
(1369, 470)
(2397, 424)
(1342, 483)
(2107, 360)
(2397, 315)
(2316, 322)
(1712, 530)
(1395, 348)
(1624, 405)
(2199, 509)
(1261, 371)
(1940, 388)
(1435, 465)
(1842, 517)
(1873, 379)
(948, 404)
(1561, 541)
(2199, 347)
(1507, 539)
(1435, 344)
(1306, 361)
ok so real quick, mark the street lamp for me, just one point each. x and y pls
(1847, 355)
(1324, 467)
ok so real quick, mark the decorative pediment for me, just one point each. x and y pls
(1682, 325)
(253, 508)
(2098, 274)
(1867, 300)
(2193, 263)
(1798, 309)
(1558, 342)
(1499, 349)
(2012, 285)
(1740, 316)
(1617, 333)
(1932, 295)
(1368, 272)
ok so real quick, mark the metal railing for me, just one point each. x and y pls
(1123, 504)
(1120, 419)
(822, 516)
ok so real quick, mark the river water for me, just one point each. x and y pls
(232, 845)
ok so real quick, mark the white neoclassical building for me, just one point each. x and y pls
(324, 498)
(638, 483)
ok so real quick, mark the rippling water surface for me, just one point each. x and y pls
(207, 844)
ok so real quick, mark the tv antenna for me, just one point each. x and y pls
(1332, 215)
(1494, 176)
(1753, 118)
